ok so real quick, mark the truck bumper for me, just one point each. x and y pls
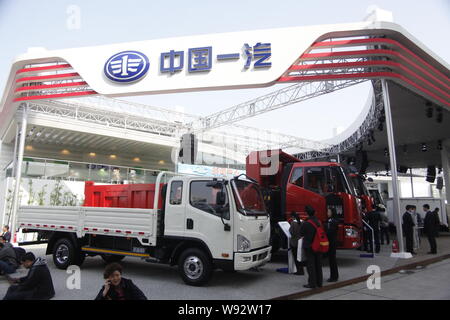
(248, 260)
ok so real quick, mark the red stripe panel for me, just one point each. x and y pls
(372, 52)
(48, 77)
(368, 63)
(380, 40)
(53, 67)
(50, 86)
(366, 75)
(59, 95)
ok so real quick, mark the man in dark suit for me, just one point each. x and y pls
(430, 227)
(408, 228)
(313, 259)
(374, 220)
(6, 234)
(331, 228)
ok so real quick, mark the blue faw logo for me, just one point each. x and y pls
(126, 66)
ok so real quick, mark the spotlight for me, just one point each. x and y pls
(424, 147)
(439, 145)
(372, 135)
(386, 152)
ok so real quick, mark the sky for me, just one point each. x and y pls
(46, 23)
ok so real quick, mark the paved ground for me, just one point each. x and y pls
(163, 282)
(429, 283)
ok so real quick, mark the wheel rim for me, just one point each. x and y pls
(62, 254)
(193, 267)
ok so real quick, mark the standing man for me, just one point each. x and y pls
(408, 228)
(374, 219)
(6, 234)
(313, 259)
(296, 224)
(384, 227)
(331, 228)
(430, 227)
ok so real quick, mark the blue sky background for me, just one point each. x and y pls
(26, 23)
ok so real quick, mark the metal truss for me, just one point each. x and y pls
(362, 134)
(272, 101)
(78, 112)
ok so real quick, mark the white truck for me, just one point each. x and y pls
(196, 223)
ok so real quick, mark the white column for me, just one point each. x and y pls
(393, 161)
(18, 171)
(445, 155)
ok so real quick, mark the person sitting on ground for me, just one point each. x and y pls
(118, 288)
(6, 234)
(37, 285)
(8, 261)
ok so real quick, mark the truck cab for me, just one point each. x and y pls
(292, 184)
(227, 216)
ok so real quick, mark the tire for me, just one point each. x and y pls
(195, 267)
(64, 254)
(110, 258)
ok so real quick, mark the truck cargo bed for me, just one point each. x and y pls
(120, 222)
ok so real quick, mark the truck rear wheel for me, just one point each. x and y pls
(65, 254)
(110, 258)
(195, 267)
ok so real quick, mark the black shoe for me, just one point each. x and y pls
(414, 253)
(332, 280)
(308, 286)
(300, 273)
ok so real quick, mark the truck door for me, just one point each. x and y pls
(175, 211)
(315, 190)
(205, 218)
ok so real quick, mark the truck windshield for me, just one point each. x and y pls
(360, 188)
(324, 180)
(248, 197)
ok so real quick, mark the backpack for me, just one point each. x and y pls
(20, 252)
(320, 242)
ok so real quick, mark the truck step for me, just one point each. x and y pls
(116, 252)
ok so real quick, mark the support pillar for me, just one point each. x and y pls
(393, 162)
(445, 156)
(18, 172)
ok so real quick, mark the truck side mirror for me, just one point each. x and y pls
(220, 198)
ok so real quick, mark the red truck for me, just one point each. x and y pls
(290, 184)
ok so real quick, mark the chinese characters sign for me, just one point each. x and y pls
(130, 66)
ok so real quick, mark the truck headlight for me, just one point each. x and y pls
(243, 244)
(351, 233)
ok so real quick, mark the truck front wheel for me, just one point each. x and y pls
(195, 267)
(65, 254)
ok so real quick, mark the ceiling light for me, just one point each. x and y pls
(29, 148)
(65, 151)
(161, 162)
(113, 156)
(424, 147)
(137, 159)
(92, 154)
